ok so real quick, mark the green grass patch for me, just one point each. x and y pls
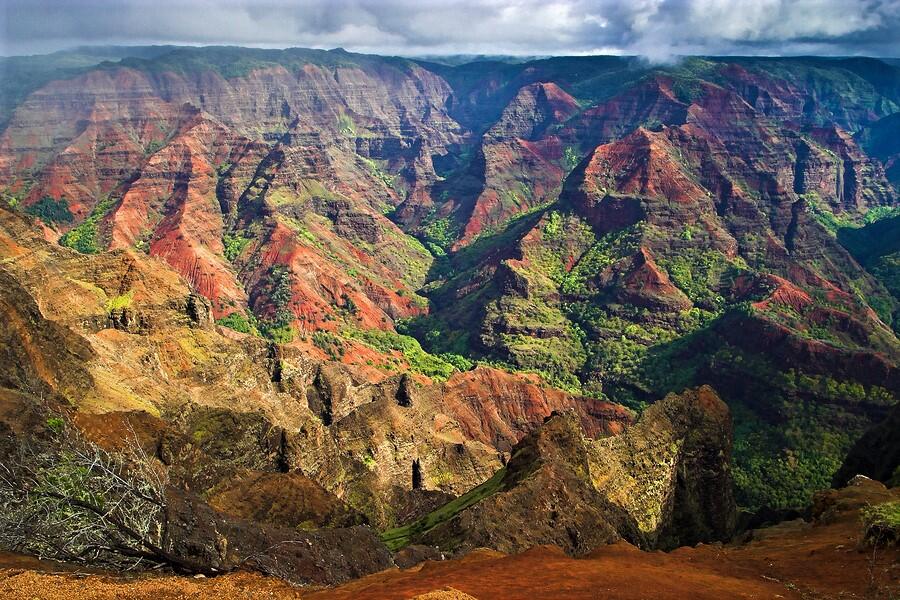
(120, 302)
(239, 322)
(402, 536)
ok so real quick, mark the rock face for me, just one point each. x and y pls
(620, 229)
(323, 557)
(238, 420)
(671, 472)
(176, 152)
(493, 406)
(664, 482)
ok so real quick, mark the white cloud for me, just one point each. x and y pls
(654, 28)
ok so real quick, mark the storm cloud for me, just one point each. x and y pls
(657, 29)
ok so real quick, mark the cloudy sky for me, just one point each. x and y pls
(658, 29)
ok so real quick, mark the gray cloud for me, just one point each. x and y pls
(658, 29)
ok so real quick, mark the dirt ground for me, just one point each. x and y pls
(792, 560)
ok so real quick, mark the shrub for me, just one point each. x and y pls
(120, 302)
(329, 343)
(84, 238)
(570, 156)
(76, 502)
(440, 233)
(280, 334)
(460, 362)
(239, 322)
(234, 245)
(881, 523)
(51, 211)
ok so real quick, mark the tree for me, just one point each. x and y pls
(73, 501)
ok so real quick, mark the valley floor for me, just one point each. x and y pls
(821, 560)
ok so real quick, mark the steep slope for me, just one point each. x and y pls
(121, 332)
(880, 140)
(662, 483)
(876, 454)
(700, 241)
(622, 229)
(151, 150)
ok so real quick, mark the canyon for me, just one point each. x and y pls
(365, 311)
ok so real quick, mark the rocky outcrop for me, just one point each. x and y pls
(120, 337)
(646, 285)
(217, 543)
(664, 482)
(524, 166)
(543, 496)
(671, 472)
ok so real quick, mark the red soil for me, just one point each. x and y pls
(499, 408)
(643, 164)
(794, 560)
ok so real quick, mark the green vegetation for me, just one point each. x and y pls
(280, 334)
(687, 89)
(881, 523)
(418, 360)
(605, 252)
(457, 360)
(120, 302)
(402, 536)
(153, 147)
(437, 335)
(329, 343)
(346, 125)
(85, 237)
(877, 247)
(570, 157)
(279, 328)
(553, 226)
(834, 223)
(51, 211)
(234, 244)
(440, 234)
(824, 215)
(789, 440)
(387, 179)
(231, 62)
(541, 313)
(239, 322)
(782, 466)
(877, 213)
(699, 273)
